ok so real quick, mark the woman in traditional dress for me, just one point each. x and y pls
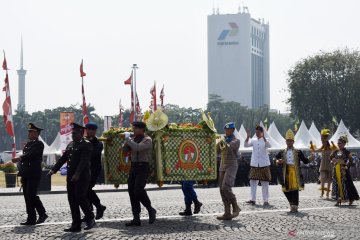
(343, 187)
(325, 163)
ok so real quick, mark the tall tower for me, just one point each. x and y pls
(21, 73)
(238, 58)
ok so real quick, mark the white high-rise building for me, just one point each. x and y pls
(238, 58)
(21, 74)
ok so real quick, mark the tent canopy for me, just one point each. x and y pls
(342, 130)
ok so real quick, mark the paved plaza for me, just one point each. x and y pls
(317, 219)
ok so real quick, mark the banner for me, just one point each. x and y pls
(66, 118)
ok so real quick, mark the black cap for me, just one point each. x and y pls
(141, 125)
(91, 125)
(32, 127)
(76, 126)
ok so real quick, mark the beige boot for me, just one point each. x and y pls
(227, 214)
(236, 209)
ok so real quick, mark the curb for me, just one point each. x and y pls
(98, 191)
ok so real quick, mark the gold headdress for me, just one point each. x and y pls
(325, 132)
(290, 135)
(344, 138)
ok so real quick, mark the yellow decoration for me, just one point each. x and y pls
(157, 121)
(146, 116)
(290, 135)
(312, 146)
(209, 121)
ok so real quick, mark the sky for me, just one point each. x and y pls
(166, 38)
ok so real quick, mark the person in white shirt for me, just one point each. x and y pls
(260, 165)
(291, 180)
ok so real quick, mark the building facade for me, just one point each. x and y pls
(238, 58)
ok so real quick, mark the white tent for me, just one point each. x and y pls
(274, 133)
(54, 150)
(46, 147)
(302, 137)
(315, 135)
(342, 130)
(242, 132)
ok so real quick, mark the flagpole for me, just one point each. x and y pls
(134, 67)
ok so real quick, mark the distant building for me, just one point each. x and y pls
(21, 74)
(238, 58)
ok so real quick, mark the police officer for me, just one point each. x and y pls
(95, 168)
(78, 156)
(140, 146)
(30, 172)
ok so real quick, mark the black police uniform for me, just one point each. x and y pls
(77, 155)
(30, 172)
(95, 171)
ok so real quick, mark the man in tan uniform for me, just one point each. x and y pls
(140, 146)
(228, 147)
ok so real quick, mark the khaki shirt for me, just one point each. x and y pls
(231, 154)
(140, 152)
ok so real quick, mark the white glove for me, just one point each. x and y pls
(127, 135)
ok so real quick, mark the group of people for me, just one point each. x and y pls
(83, 157)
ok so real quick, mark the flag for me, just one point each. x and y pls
(266, 123)
(132, 110)
(82, 73)
(84, 107)
(138, 109)
(153, 103)
(4, 65)
(296, 125)
(121, 115)
(8, 121)
(162, 95)
(7, 109)
(129, 81)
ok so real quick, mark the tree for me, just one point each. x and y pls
(325, 86)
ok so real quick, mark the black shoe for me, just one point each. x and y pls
(100, 212)
(133, 223)
(251, 202)
(28, 223)
(152, 216)
(42, 218)
(73, 229)
(89, 224)
(197, 207)
(187, 212)
(83, 219)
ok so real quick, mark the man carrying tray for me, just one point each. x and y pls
(140, 147)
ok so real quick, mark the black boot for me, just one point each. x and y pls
(187, 211)
(152, 215)
(73, 229)
(90, 223)
(197, 207)
(100, 212)
(135, 222)
(28, 223)
(42, 218)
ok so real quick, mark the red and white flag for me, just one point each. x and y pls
(84, 107)
(153, 106)
(121, 115)
(129, 81)
(138, 109)
(162, 95)
(7, 109)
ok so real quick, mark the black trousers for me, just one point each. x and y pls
(293, 197)
(77, 197)
(138, 176)
(32, 201)
(91, 194)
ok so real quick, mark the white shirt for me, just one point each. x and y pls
(259, 156)
(290, 157)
